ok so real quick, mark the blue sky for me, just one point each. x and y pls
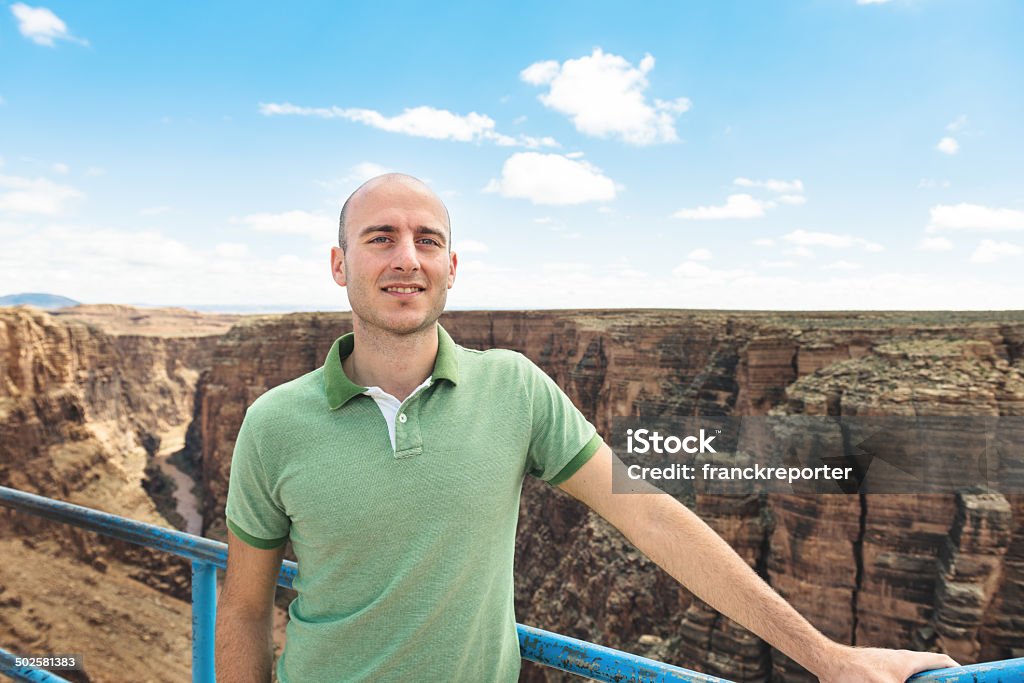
(820, 154)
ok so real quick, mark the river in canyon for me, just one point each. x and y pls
(172, 442)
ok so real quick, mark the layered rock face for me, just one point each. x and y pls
(929, 571)
(870, 570)
(81, 410)
(80, 407)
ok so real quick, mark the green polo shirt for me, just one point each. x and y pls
(405, 554)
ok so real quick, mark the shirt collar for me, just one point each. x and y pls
(340, 389)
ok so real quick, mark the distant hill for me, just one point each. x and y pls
(38, 299)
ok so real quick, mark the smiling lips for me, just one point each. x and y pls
(403, 289)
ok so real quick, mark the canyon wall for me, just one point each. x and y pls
(82, 409)
(940, 571)
(83, 403)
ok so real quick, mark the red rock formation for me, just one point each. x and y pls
(80, 410)
(865, 569)
(880, 553)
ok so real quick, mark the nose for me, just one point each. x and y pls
(405, 259)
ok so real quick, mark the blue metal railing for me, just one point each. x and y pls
(550, 649)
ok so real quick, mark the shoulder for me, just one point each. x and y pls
(503, 372)
(285, 401)
(501, 363)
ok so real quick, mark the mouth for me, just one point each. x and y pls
(403, 289)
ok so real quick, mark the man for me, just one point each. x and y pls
(395, 470)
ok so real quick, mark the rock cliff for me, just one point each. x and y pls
(901, 570)
(81, 408)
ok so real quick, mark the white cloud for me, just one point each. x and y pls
(935, 244)
(764, 242)
(800, 252)
(42, 26)
(552, 179)
(531, 142)
(736, 206)
(314, 225)
(807, 238)
(423, 122)
(696, 285)
(604, 209)
(60, 168)
(932, 183)
(122, 266)
(990, 250)
(38, 195)
(780, 186)
(231, 250)
(699, 255)
(841, 265)
(93, 171)
(747, 206)
(793, 199)
(603, 95)
(778, 264)
(975, 218)
(104, 265)
(948, 145)
(958, 124)
(872, 2)
(691, 271)
(541, 73)
(470, 247)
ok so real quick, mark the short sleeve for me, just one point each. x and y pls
(252, 512)
(561, 440)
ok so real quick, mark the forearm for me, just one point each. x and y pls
(688, 549)
(245, 647)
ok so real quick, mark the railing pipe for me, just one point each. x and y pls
(551, 649)
(21, 673)
(204, 616)
(140, 533)
(598, 662)
(992, 672)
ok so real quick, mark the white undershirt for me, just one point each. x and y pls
(389, 406)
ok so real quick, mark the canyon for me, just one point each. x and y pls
(92, 397)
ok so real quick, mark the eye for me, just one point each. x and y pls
(379, 239)
(430, 240)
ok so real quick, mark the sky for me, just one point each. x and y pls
(801, 155)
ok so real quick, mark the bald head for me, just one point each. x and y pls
(388, 181)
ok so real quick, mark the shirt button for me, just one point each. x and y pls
(402, 418)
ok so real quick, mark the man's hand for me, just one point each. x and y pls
(875, 665)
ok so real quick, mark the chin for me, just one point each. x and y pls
(401, 325)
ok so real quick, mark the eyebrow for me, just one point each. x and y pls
(421, 230)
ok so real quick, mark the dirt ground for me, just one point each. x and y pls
(123, 629)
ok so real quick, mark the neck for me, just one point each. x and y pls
(395, 363)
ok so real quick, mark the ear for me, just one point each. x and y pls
(338, 266)
(453, 263)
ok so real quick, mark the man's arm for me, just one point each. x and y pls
(683, 545)
(245, 613)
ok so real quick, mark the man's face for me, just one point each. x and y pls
(397, 265)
